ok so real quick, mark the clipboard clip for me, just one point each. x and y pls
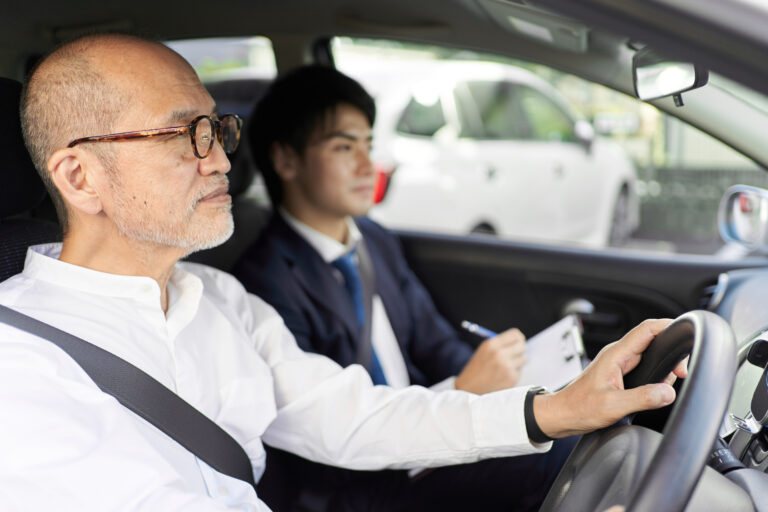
(571, 343)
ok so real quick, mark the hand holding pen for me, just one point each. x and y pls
(477, 329)
(496, 363)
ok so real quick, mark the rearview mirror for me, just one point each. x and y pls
(656, 76)
(743, 217)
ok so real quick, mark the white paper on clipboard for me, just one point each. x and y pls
(554, 356)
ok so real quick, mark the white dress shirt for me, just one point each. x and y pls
(67, 446)
(383, 337)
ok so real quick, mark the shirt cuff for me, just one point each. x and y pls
(498, 419)
(444, 385)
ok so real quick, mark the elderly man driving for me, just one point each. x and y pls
(132, 150)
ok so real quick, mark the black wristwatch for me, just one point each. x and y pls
(534, 432)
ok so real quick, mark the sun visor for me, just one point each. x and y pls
(519, 17)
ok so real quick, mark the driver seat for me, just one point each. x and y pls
(22, 190)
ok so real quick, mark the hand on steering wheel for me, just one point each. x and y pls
(598, 397)
(622, 465)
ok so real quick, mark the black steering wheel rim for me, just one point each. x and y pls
(670, 477)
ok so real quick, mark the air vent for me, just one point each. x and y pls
(712, 295)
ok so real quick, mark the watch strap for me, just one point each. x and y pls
(535, 433)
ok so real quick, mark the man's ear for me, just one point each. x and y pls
(72, 174)
(285, 161)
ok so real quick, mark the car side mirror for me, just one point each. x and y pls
(656, 76)
(743, 217)
(585, 134)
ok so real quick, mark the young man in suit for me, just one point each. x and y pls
(311, 137)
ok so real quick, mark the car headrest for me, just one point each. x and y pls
(242, 172)
(21, 188)
(238, 96)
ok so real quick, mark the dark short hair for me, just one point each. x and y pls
(294, 106)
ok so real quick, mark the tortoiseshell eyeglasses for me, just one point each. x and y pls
(201, 132)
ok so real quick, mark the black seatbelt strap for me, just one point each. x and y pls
(145, 396)
(368, 282)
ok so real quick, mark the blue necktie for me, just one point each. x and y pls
(348, 267)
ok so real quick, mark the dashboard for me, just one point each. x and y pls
(744, 304)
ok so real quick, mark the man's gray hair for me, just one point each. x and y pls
(64, 98)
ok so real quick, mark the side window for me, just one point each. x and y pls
(498, 109)
(421, 119)
(547, 120)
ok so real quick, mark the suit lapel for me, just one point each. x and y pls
(315, 276)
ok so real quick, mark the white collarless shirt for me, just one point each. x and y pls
(67, 446)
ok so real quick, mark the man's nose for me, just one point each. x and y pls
(216, 162)
(364, 162)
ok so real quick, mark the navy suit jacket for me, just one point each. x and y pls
(286, 271)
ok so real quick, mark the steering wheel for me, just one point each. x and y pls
(635, 466)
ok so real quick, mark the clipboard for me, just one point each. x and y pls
(555, 356)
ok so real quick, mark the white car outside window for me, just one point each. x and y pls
(489, 147)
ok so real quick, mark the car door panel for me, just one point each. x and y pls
(578, 184)
(502, 284)
(577, 175)
(522, 198)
